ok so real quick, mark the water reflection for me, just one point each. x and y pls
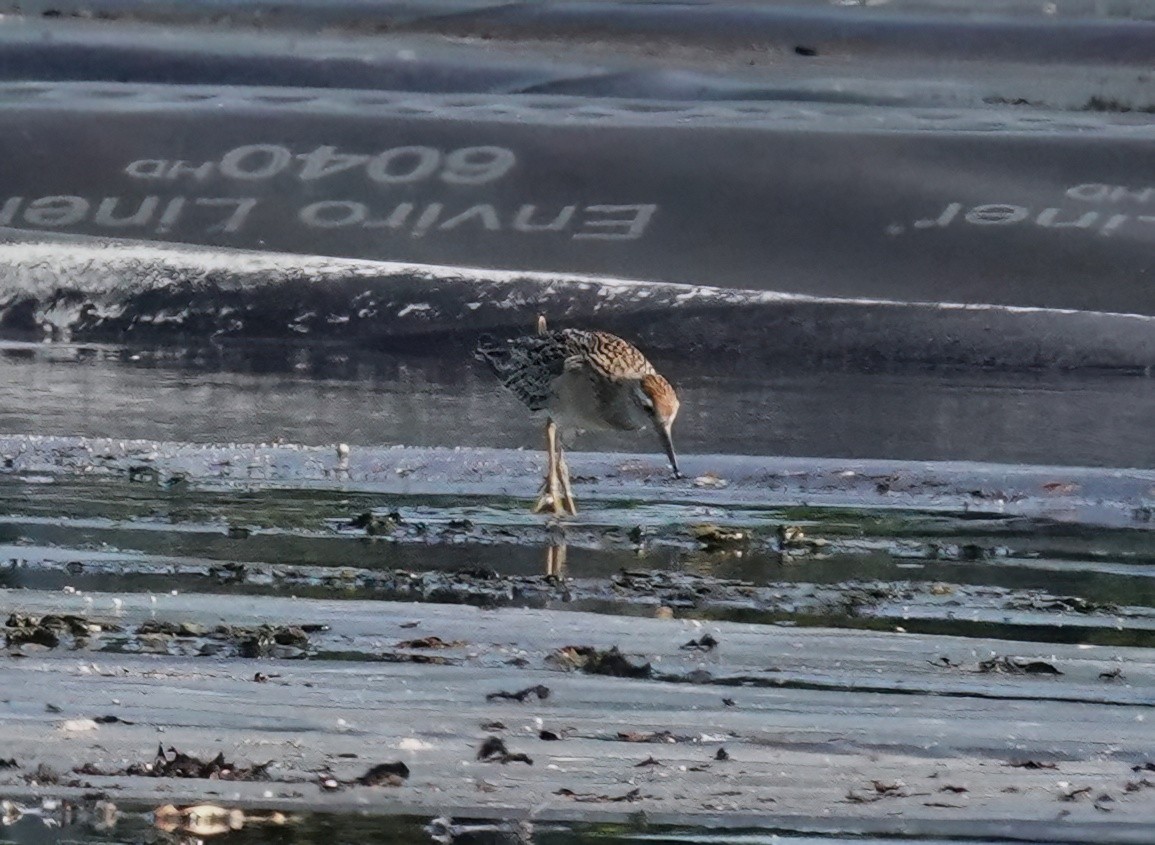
(189, 824)
(103, 823)
(555, 561)
(56, 822)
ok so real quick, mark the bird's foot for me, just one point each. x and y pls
(544, 502)
(548, 497)
(555, 496)
(561, 505)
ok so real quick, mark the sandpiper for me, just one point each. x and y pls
(582, 380)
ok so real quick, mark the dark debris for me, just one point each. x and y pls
(494, 750)
(719, 538)
(590, 797)
(431, 642)
(49, 629)
(705, 643)
(1014, 666)
(376, 524)
(246, 640)
(177, 764)
(420, 659)
(43, 775)
(593, 661)
(1032, 764)
(651, 736)
(385, 774)
(880, 791)
(540, 690)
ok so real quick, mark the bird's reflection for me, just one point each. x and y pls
(555, 561)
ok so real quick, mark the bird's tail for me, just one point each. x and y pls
(506, 358)
(523, 365)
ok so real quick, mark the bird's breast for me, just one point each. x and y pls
(590, 404)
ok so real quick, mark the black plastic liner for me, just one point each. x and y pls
(814, 153)
(81, 290)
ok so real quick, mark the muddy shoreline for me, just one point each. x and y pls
(823, 646)
(798, 755)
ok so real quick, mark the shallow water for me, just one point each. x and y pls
(265, 828)
(324, 394)
(1033, 563)
(1015, 577)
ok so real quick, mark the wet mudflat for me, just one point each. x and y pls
(980, 572)
(526, 713)
(288, 635)
(828, 647)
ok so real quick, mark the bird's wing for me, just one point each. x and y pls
(530, 365)
(527, 366)
(615, 359)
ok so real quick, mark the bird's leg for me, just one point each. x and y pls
(550, 496)
(567, 501)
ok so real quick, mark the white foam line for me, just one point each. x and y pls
(68, 256)
(71, 259)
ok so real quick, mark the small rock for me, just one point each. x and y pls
(710, 480)
(77, 725)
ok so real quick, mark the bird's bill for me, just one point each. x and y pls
(668, 445)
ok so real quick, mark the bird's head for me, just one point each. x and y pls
(660, 403)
